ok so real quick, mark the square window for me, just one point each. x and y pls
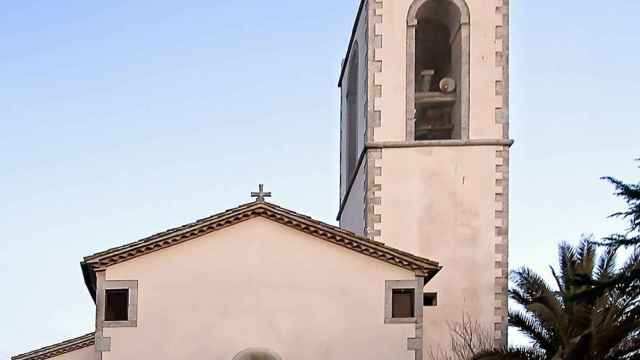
(430, 299)
(116, 305)
(403, 303)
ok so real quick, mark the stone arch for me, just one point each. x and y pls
(462, 55)
(257, 354)
(417, 4)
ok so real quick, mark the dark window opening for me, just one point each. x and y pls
(430, 299)
(403, 303)
(116, 305)
(352, 113)
(433, 54)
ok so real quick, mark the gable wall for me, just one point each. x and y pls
(259, 284)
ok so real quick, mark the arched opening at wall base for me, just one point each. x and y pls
(257, 354)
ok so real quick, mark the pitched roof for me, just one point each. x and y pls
(421, 266)
(58, 349)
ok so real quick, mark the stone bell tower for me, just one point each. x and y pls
(425, 147)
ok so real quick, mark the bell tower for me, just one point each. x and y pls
(425, 148)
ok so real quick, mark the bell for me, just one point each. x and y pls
(447, 85)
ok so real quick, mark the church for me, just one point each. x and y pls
(423, 217)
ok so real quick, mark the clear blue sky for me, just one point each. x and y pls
(120, 118)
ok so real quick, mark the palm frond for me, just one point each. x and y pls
(551, 317)
(567, 261)
(606, 266)
(531, 327)
(529, 283)
(514, 353)
(557, 278)
(585, 256)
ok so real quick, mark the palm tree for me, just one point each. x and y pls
(564, 325)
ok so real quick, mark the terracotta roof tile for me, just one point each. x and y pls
(60, 348)
(334, 234)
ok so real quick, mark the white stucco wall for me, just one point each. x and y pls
(259, 284)
(440, 203)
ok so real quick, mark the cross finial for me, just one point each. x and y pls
(260, 195)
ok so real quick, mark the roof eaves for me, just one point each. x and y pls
(93, 258)
(58, 349)
(372, 243)
(419, 265)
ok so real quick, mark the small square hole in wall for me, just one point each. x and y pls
(116, 305)
(403, 303)
(430, 299)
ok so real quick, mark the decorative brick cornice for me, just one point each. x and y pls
(333, 234)
(58, 349)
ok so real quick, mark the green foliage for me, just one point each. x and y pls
(560, 323)
(628, 279)
(630, 193)
(593, 310)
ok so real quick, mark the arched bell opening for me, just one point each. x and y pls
(438, 70)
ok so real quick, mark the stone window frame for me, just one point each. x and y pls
(391, 285)
(464, 87)
(132, 306)
(431, 295)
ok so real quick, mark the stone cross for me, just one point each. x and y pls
(260, 195)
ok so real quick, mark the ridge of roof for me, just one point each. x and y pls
(57, 349)
(101, 260)
(166, 233)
